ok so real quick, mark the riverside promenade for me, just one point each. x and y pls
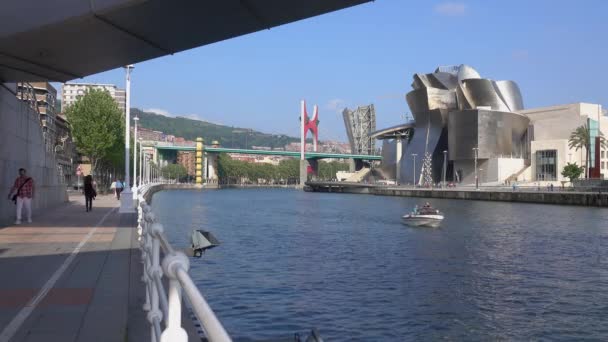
(73, 275)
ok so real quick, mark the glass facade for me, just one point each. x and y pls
(594, 131)
(546, 165)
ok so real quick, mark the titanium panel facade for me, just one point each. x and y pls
(456, 110)
(496, 134)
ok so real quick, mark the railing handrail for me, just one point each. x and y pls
(162, 307)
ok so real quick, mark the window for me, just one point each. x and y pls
(546, 165)
(603, 165)
(603, 155)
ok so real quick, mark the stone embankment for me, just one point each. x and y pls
(592, 199)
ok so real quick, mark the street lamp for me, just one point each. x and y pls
(445, 159)
(141, 163)
(126, 201)
(414, 156)
(476, 151)
(135, 119)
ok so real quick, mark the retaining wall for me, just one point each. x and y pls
(594, 199)
(22, 146)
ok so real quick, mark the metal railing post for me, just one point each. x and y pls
(175, 265)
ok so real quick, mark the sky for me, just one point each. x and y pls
(555, 50)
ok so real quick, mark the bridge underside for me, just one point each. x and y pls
(65, 40)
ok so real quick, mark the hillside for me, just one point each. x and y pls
(227, 136)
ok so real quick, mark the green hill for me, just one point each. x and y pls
(227, 136)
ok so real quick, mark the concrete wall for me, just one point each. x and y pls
(499, 169)
(564, 198)
(564, 155)
(22, 145)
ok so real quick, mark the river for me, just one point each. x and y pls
(291, 260)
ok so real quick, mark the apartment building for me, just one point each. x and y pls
(72, 91)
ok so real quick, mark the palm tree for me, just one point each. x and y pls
(580, 139)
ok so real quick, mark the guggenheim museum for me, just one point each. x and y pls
(469, 129)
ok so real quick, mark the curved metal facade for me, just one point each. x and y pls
(456, 110)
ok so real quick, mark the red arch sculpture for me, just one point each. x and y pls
(309, 124)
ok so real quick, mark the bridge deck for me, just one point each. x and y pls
(307, 155)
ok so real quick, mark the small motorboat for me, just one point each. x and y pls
(426, 216)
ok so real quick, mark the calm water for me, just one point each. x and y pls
(291, 260)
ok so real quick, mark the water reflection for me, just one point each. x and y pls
(290, 261)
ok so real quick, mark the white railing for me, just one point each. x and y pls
(165, 311)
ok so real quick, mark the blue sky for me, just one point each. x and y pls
(555, 50)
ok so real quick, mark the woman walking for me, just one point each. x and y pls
(89, 192)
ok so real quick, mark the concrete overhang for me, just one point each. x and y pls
(69, 39)
(401, 130)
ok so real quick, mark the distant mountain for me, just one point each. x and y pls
(227, 136)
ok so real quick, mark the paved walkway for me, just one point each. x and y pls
(72, 275)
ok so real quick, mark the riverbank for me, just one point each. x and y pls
(590, 199)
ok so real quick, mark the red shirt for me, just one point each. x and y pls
(28, 188)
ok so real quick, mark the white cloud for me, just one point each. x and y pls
(336, 105)
(451, 8)
(159, 112)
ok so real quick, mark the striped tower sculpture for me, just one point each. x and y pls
(198, 165)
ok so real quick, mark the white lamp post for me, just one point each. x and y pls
(126, 200)
(135, 157)
(141, 164)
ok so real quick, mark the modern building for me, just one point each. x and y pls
(72, 91)
(470, 129)
(45, 96)
(552, 127)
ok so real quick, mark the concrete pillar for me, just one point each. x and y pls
(212, 166)
(309, 169)
(352, 167)
(198, 164)
(398, 159)
(303, 172)
(313, 169)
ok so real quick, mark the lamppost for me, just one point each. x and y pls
(126, 200)
(414, 156)
(475, 151)
(135, 119)
(141, 163)
(445, 160)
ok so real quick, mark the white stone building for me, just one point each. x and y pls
(70, 92)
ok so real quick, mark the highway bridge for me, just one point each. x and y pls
(208, 158)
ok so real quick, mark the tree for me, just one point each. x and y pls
(581, 139)
(572, 171)
(97, 126)
(174, 171)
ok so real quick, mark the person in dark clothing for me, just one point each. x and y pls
(89, 192)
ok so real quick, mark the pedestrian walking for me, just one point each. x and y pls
(89, 192)
(23, 190)
(119, 188)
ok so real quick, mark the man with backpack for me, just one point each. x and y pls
(23, 190)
